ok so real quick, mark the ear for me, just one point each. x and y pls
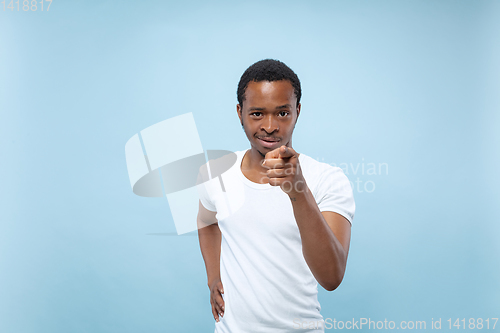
(238, 110)
(298, 112)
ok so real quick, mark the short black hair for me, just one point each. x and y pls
(268, 70)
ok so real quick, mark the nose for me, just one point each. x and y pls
(270, 124)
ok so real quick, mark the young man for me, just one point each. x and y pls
(292, 226)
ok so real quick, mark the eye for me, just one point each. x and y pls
(256, 114)
(284, 113)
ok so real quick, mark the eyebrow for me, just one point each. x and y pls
(254, 108)
(285, 106)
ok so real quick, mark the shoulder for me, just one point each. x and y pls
(330, 187)
(320, 175)
(219, 162)
(310, 163)
(316, 169)
(219, 187)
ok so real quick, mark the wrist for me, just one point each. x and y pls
(210, 282)
(299, 193)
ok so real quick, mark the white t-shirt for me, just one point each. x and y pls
(268, 286)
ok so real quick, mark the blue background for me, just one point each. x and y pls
(413, 84)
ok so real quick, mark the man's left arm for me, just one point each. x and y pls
(325, 235)
(325, 239)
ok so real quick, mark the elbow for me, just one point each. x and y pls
(332, 283)
(335, 277)
(331, 286)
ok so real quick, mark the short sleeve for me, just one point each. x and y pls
(203, 187)
(335, 194)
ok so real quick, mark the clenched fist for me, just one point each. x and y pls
(284, 170)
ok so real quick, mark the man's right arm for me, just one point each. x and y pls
(210, 237)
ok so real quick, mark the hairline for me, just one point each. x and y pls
(253, 80)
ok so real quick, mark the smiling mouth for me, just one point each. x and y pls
(269, 139)
(269, 143)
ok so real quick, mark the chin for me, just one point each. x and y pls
(261, 150)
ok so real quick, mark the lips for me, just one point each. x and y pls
(269, 139)
(269, 142)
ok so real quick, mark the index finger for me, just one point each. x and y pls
(280, 152)
(275, 153)
(286, 152)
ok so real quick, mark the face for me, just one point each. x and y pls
(269, 114)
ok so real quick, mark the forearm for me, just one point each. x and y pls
(322, 251)
(210, 241)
